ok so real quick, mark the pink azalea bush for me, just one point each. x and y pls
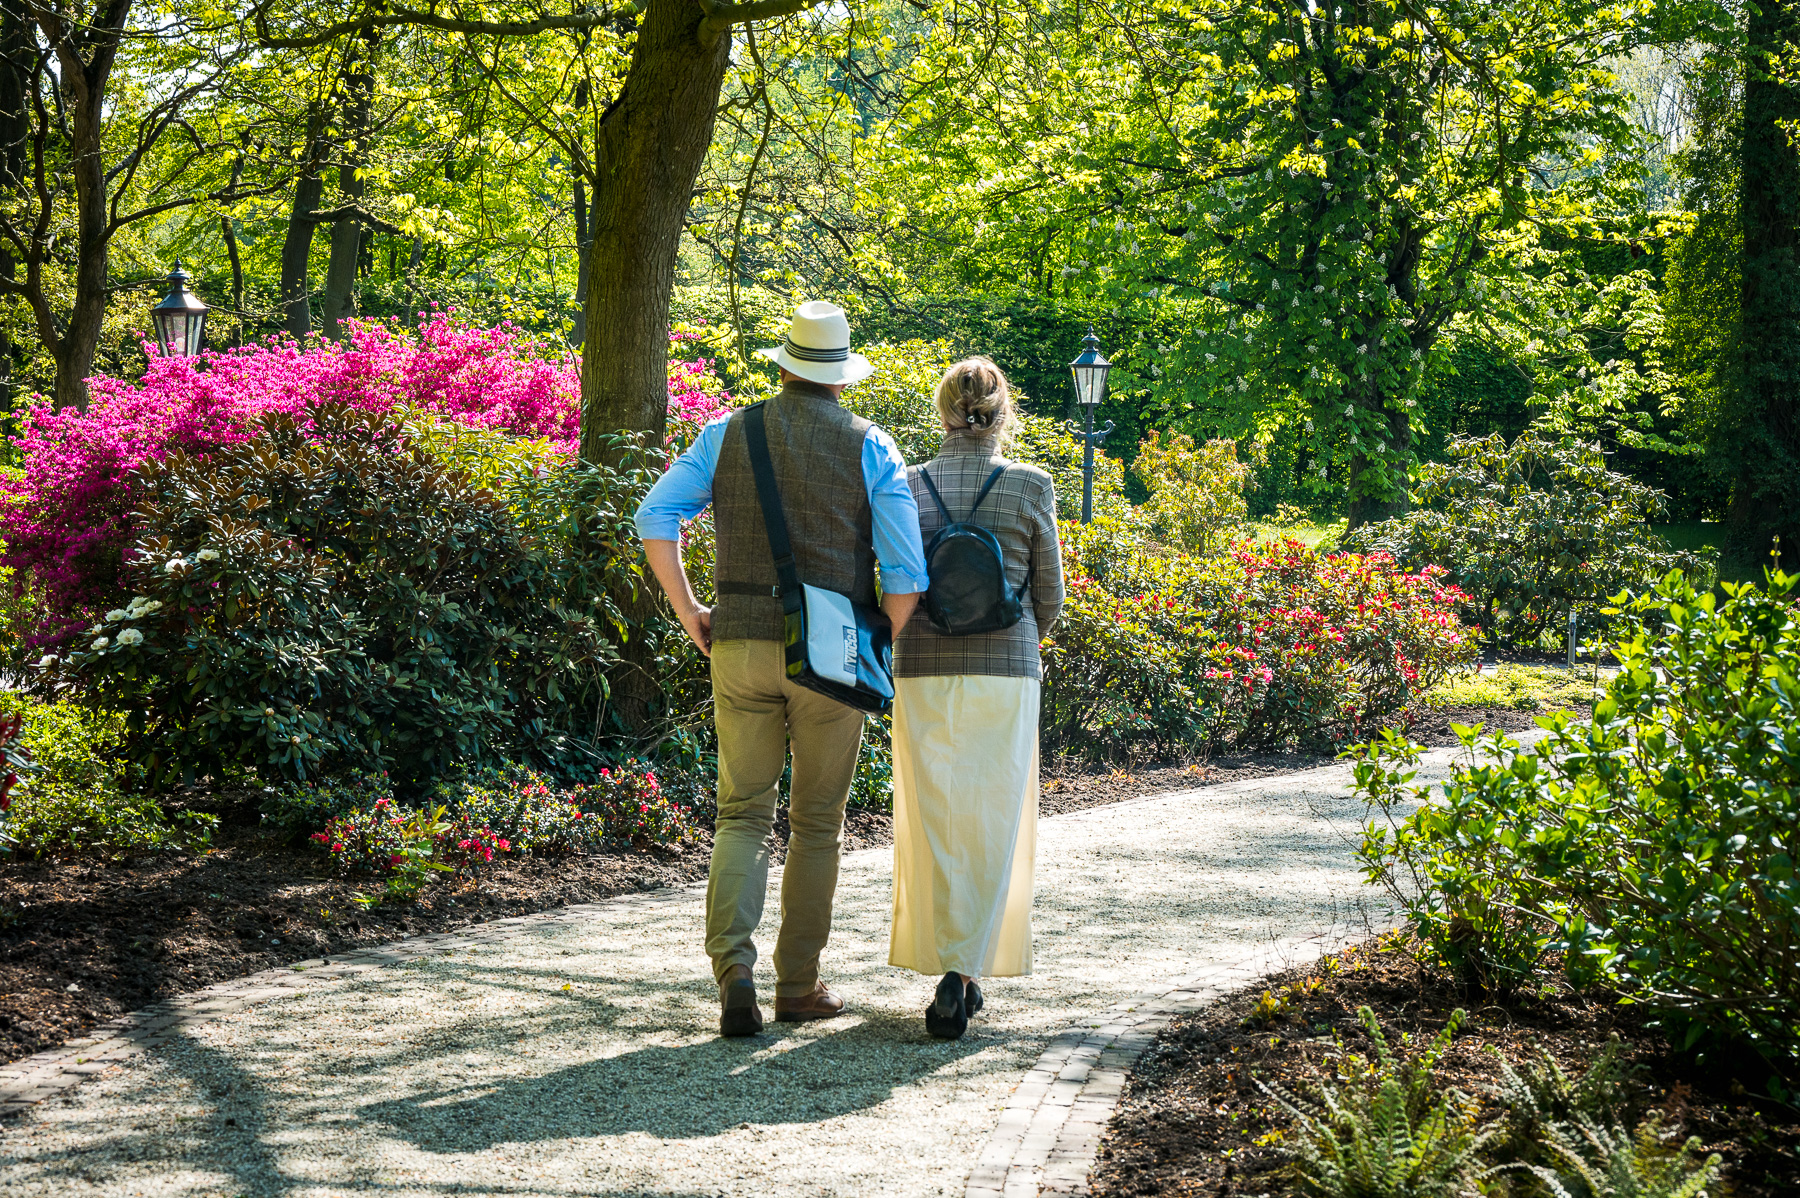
(1162, 655)
(66, 517)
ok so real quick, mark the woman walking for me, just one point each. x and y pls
(966, 716)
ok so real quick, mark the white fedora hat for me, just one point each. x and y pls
(817, 347)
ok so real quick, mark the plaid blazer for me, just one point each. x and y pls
(1021, 513)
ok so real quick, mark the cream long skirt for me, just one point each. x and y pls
(965, 824)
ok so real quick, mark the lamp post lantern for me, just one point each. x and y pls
(180, 319)
(1089, 370)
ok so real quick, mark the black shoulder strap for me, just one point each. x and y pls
(756, 438)
(935, 497)
(985, 488)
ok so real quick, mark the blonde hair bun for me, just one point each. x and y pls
(974, 394)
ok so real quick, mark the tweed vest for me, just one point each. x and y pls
(816, 448)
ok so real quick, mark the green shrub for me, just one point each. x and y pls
(328, 598)
(1652, 844)
(1396, 1134)
(402, 846)
(633, 808)
(78, 795)
(13, 758)
(529, 810)
(1529, 531)
(305, 807)
(873, 787)
(1159, 654)
(1196, 491)
(1521, 688)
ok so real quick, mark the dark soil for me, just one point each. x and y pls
(1193, 1120)
(83, 941)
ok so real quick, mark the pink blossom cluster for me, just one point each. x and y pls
(66, 515)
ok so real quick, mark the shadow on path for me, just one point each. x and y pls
(686, 1092)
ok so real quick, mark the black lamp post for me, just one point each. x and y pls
(1089, 370)
(180, 318)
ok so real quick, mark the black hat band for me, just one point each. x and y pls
(808, 354)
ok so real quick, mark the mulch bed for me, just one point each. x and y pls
(1193, 1121)
(84, 941)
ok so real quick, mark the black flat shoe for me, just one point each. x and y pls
(947, 1017)
(974, 1002)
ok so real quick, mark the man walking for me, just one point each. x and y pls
(849, 507)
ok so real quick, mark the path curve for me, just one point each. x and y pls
(574, 1053)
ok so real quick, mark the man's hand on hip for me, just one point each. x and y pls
(698, 623)
(665, 562)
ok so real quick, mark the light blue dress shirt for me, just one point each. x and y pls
(685, 490)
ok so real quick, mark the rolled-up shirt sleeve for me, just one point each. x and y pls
(895, 516)
(685, 488)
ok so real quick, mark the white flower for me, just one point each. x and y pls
(1318, 288)
(1349, 409)
(207, 555)
(1363, 348)
(131, 636)
(100, 642)
(48, 660)
(174, 566)
(117, 614)
(141, 607)
(1210, 359)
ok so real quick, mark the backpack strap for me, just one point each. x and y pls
(985, 488)
(756, 439)
(935, 497)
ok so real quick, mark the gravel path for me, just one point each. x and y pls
(580, 1057)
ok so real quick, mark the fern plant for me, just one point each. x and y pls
(1397, 1135)
(1539, 1094)
(1592, 1159)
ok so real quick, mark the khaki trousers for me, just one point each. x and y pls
(758, 713)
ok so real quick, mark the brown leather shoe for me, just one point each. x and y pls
(820, 1004)
(738, 1013)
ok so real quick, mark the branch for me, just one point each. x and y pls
(721, 17)
(356, 212)
(408, 16)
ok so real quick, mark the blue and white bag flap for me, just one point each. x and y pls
(831, 635)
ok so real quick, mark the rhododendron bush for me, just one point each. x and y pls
(69, 516)
(329, 597)
(1159, 654)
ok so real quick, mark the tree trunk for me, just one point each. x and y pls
(296, 247)
(1764, 438)
(651, 144)
(84, 89)
(15, 129)
(584, 233)
(347, 231)
(584, 264)
(1370, 499)
(412, 279)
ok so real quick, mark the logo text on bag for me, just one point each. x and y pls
(850, 651)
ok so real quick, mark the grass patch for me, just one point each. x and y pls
(1306, 532)
(1518, 688)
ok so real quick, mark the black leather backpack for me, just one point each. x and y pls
(968, 592)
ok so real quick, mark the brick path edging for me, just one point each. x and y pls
(26, 1082)
(1049, 1133)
